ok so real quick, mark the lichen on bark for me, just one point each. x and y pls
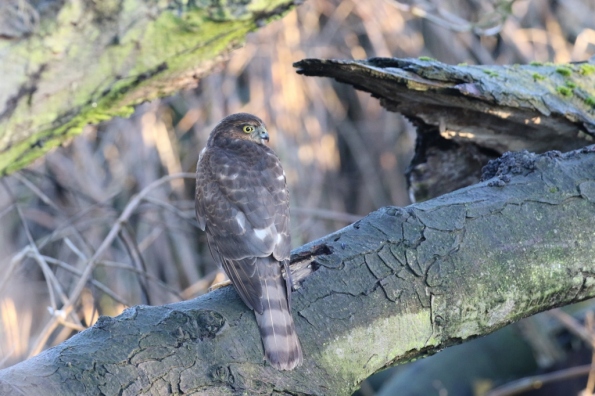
(86, 62)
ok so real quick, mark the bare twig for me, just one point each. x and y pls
(128, 267)
(16, 259)
(36, 190)
(149, 239)
(50, 279)
(94, 282)
(490, 24)
(528, 383)
(590, 322)
(535, 382)
(90, 265)
(137, 260)
(573, 326)
(75, 249)
(189, 217)
(49, 276)
(6, 210)
(61, 318)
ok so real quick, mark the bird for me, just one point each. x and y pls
(242, 203)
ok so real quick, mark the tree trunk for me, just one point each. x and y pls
(399, 284)
(71, 63)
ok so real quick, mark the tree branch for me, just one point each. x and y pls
(521, 107)
(72, 63)
(398, 284)
(466, 115)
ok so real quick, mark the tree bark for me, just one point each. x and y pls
(503, 108)
(466, 115)
(70, 63)
(399, 284)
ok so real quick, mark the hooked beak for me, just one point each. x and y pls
(263, 134)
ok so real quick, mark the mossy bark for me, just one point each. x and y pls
(504, 108)
(85, 61)
(466, 115)
(399, 284)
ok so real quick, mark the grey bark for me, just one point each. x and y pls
(466, 115)
(503, 108)
(399, 284)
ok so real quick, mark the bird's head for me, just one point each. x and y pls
(240, 126)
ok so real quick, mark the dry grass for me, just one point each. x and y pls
(77, 240)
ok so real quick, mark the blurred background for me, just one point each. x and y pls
(344, 157)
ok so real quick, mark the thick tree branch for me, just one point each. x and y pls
(467, 115)
(400, 283)
(521, 107)
(71, 63)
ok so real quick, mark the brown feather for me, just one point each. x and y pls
(277, 331)
(242, 203)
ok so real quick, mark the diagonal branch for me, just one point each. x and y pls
(399, 284)
(533, 107)
(466, 115)
(110, 57)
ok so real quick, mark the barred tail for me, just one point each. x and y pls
(281, 344)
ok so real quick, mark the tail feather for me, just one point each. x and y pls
(281, 344)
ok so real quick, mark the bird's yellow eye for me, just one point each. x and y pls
(248, 128)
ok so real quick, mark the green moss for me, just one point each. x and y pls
(537, 77)
(570, 84)
(590, 101)
(563, 70)
(490, 73)
(344, 355)
(535, 63)
(24, 152)
(463, 64)
(586, 69)
(177, 44)
(426, 58)
(564, 91)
